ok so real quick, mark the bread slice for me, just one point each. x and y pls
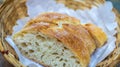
(52, 46)
(98, 35)
(56, 40)
(57, 19)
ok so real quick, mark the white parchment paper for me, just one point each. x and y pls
(101, 16)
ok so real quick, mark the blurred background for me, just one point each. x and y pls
(116, 4)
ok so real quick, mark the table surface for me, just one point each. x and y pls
(4, 63)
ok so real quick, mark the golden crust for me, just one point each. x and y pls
(70, 39)
(53, 18)
(98, 35)
(79, 39)
(72, 42)
(82, 33)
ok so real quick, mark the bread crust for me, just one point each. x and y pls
(53, 18)
(73, 43)
(97, 34)
(67, 37)
(83, 34)
(71, 33)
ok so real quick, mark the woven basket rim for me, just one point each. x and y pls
(13, 60)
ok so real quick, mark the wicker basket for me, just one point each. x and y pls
(12, 10)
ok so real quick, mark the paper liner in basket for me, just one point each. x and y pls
(101, 16)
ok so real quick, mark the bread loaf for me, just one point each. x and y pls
(56, 40)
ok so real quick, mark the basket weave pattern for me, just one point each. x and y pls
(12, 10)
